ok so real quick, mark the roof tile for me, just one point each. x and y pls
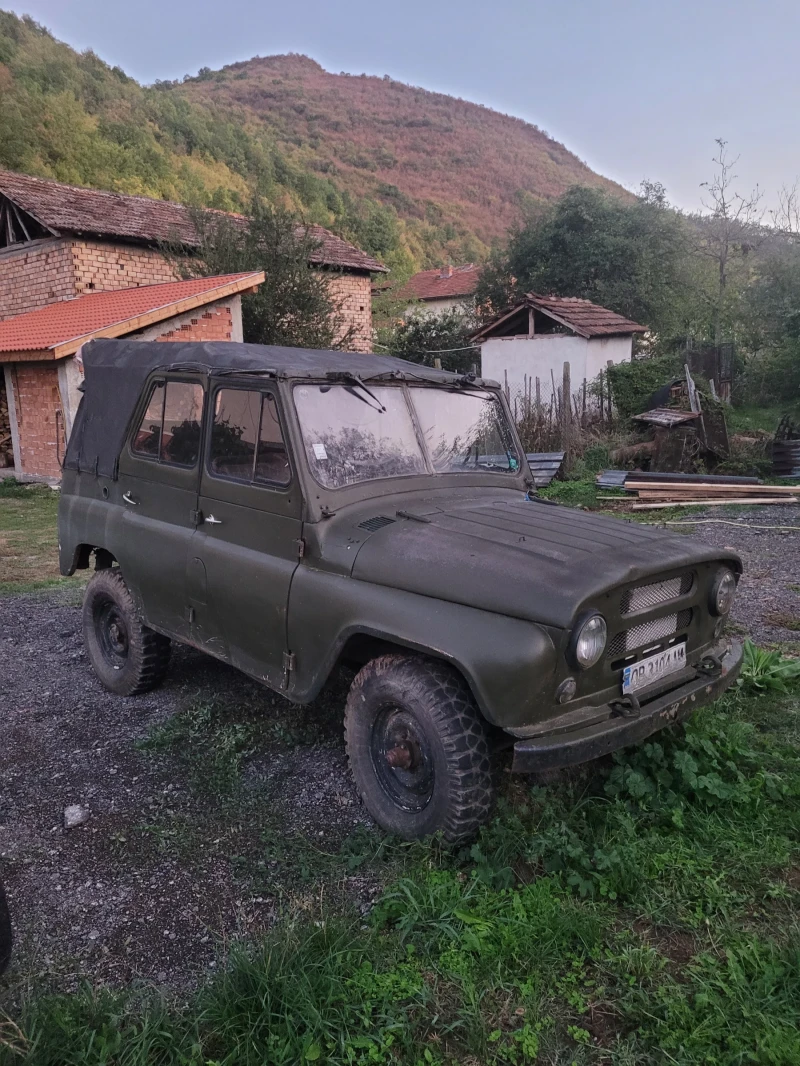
(74, 209)
(441, 283)
(582, 316)
(80, 317)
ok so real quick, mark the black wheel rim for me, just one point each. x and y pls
(402, 758)
(112, 633)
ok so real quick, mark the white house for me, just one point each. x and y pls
(541, 333)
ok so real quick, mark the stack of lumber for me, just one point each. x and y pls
(654, 490)
(6, 456)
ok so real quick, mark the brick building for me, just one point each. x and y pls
(40, 371)
(61, 242)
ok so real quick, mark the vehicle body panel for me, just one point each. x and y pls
(287, 581)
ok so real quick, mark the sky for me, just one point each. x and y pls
(637, 89)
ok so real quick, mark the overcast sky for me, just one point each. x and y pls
(638, 89)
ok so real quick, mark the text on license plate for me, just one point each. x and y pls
(652, 668)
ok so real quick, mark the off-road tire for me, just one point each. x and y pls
(5, 931)
(435, 697)
(138, 660)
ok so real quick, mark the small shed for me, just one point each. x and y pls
(38, 351)
(539, 334)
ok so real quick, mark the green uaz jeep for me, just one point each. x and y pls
(288, 511)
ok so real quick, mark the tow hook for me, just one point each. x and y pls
(627, 707)
(710, 666)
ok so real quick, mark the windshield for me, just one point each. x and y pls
(355, 433)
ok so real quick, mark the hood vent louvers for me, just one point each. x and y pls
(373, 524)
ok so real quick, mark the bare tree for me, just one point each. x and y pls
(729, 229)
(786, 217)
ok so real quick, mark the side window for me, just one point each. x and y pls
(170, 428)
(246, 439)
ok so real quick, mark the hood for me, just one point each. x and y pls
(525, 559)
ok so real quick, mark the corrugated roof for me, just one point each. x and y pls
(582, 316)
(441, 283)
(71, 322)
(74, 209)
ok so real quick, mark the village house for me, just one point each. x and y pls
(39, 351)
(539, 334)
(435, 291)
(64, 245)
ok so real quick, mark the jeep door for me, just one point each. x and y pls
(158, 485)
(250, 528)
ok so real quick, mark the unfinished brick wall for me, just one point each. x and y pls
(40, 419)
(35, 275)
(212, 323)
(353, 292)
(102, 266)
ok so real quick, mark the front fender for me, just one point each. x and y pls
(509, 663)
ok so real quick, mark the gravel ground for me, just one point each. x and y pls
(161, 876)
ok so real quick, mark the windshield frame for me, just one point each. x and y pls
(475, 474)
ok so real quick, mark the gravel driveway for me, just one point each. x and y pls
(163, 874)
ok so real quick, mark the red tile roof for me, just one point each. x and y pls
(60, 328)
(582, 316)
(441, 283)
(74, 209)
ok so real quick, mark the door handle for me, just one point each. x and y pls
(129, 499)
(212, 521)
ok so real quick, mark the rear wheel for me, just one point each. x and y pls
(417, 748)
(126, 655)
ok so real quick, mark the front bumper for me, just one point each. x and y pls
(627, 725)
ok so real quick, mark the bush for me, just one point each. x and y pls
(632, 384)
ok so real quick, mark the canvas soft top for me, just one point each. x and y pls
(116, 371)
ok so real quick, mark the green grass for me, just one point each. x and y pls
(642, 911)
(752, 419)
(28, 538)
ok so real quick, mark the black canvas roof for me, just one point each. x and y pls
(116, 371)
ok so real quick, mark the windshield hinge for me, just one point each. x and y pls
(289, 664)
(301, 548)
(195, 517)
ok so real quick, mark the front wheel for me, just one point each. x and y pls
(417, 748)
(126, 655)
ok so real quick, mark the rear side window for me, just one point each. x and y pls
(170, 428)
(246, 439)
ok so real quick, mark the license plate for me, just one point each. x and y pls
(652, 668)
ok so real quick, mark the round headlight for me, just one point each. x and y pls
(589, 641)
(722, 592)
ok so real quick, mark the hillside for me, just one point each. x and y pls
(413, 177)
(432, 157)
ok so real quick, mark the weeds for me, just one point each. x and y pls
(548, 939)
(767, 671)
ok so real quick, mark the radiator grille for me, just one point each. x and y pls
(649, 633)
(646, 596)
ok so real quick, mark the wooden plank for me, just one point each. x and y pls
(745, 502)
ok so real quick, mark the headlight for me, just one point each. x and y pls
(589, 641)
(722, 592)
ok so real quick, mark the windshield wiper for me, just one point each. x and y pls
(357, 380)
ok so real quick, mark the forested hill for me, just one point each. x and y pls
(414, 177)
(430, 156)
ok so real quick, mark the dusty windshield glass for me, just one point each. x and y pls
(464, 431)
(355, 433)
(351, 434)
